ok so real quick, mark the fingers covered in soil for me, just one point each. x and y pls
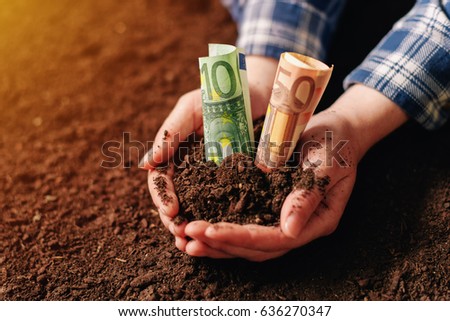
(163, 194)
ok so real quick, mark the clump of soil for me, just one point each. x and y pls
(236, 191)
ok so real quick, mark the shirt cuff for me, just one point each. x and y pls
(411, 65)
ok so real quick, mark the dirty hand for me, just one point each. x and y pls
(186, 118)
(330, 150)
(305, 215)
(333, 143)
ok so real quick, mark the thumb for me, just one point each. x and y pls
(297, 209)
(185, 118)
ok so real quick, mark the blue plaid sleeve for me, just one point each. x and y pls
(411, 65)
(271, 27)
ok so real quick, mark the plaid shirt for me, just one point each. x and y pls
(411, 65)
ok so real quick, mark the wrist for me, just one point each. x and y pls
(261, 74)
(370, 115)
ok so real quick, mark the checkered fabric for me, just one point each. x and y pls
(411, 65)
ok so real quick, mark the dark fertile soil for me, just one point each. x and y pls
(84, 85)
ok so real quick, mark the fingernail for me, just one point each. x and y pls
(210, 231)
(142, 163)
(292, 225)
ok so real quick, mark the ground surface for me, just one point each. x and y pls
(74, 75)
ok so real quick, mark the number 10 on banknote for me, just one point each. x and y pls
(227, 118)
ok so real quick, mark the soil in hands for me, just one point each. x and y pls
(237, 191)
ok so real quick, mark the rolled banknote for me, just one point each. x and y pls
(227, 119)
(299, 84)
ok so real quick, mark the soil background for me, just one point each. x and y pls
(75, 75)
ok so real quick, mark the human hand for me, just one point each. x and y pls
(357, 120)
(331, 151)
(186, 118)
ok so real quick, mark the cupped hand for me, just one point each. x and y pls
(185, 119)
(332, 145)
(330, 150)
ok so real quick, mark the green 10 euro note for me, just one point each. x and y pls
(226, 109)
